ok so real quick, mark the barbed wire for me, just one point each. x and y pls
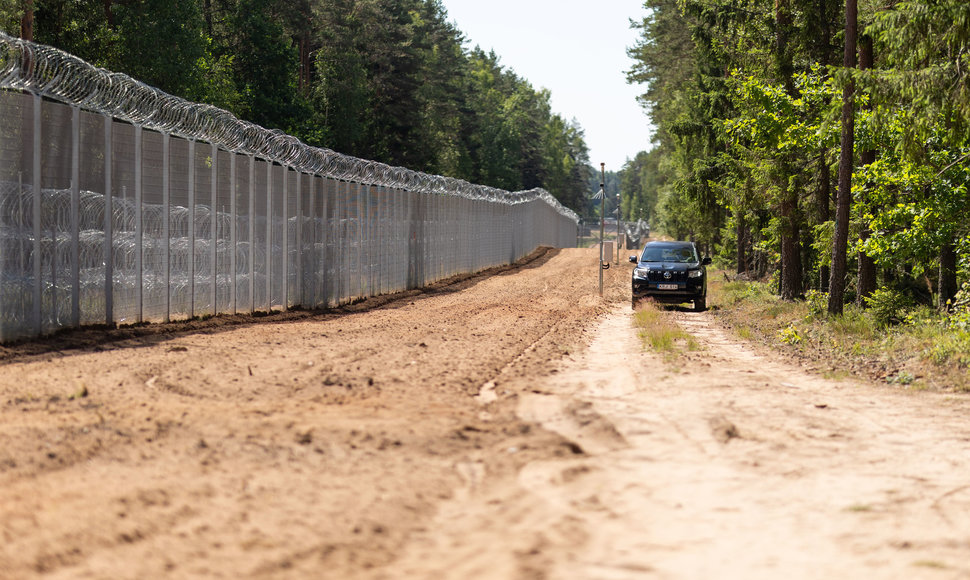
(53, 73)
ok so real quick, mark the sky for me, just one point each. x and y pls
(577, 50)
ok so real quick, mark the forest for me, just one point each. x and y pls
(387, 80)
(821, 144)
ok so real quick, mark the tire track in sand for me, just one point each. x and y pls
(728, 464)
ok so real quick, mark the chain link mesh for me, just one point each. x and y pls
(61, 76)
(122, 204)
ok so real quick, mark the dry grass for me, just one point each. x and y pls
(660, 332)
(922, 351)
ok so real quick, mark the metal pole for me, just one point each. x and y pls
(37, 194)
(167, 224)
(233, 235)
(286, 239)
(619, 206)
(108, 225)
(75, 216)
(269, 236)
(139, 229)
(214, 230)
(602, 220)
(191, 228)
(252, 234)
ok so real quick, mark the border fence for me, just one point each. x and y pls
(122, 204)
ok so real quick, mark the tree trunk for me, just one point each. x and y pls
(27, 21)
(306, 63)
(948, 275)
(108, 15)
(823, 195)
(866, 282)
(841, 238)
(742, 242)
(791, 254)
(784, 65)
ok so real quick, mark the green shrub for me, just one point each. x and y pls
(854, 323)
(959, 316)
(662, 334)
(952, 347)
(790, 335)
(818, 303)
(887, 306)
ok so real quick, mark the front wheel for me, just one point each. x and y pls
(700, 304)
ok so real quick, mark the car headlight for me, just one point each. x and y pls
(695, 273)
(641, 272)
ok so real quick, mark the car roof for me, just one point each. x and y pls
(669, 244)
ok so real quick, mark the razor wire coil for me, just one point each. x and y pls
(50, 72)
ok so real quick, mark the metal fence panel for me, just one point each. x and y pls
(153, 209)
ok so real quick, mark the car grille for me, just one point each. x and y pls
(660, 278)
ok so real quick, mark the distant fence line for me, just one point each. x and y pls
(122, 204)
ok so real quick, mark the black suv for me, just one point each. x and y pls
(671, 273)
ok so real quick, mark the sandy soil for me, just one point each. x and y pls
(500, 426)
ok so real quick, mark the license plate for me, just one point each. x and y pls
(666, 286)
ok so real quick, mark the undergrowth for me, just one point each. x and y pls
(661, 333)
(891, 340)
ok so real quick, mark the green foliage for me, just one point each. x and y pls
(660, 333)
(388, 80)
(789, 335)
(924, 352)
(642, 182)
(887, 306)
(959, 317)
(746, 100)
(912, 204)
(11, 11)
(817, 303)
(161, 42)
(853, 326)
(953, 348)
(927, 63)
(265, 67)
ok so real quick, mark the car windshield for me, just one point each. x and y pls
(669, 254)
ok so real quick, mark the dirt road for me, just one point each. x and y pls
(506, 426)
(728, 464)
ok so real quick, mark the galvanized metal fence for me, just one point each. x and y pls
(122, 204)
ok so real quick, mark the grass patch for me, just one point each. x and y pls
(660, 332)
(907, 346)
(930, 564)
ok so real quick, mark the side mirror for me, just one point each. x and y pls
(706, 261)
(633, 260)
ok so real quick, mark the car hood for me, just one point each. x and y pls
(672, 266)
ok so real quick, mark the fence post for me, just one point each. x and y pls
(269, 236)
(286, 238)
(341, 259)
(252, 234)
(166, 223)
(214, 230)
(192, 228)
(383, 247)
(360, 241)
(109, 274)
(37, 195)
(75, 216)
(309, 269)
(324, 241)
(233, 238)
(139, 225)
(298, 240)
